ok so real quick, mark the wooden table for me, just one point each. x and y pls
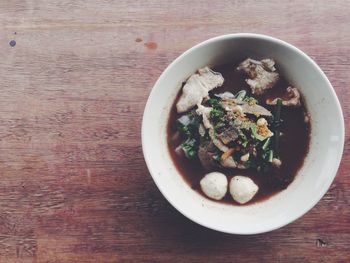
(75, 76)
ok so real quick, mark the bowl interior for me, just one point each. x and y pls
(321, 163)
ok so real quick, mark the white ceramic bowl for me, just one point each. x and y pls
(321, 163)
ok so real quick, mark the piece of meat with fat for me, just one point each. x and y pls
(222, 147)
(292, 101)
(228, 135)
(262, 74)
(197, 87)
(206, 152)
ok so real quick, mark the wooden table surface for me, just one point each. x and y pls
(74, 79)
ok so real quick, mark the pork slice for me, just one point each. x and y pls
(262, 74)
(206, 151)
(228, 135)
(197, 87)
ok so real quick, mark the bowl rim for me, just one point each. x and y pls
(338, 109)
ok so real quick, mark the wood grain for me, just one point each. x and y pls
(74, 184)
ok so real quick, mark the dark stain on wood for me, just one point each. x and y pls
(12, 43)
(321, 243)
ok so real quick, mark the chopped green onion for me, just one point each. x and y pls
(190, 148)
(216, 114)
(278, 110)
(277, 122)
(217, 157)
(270, 156)
(183, 129)
(244, 144)
(266, 144)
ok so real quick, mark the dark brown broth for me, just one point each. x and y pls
(293, 146)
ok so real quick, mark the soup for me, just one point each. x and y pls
(242, 134)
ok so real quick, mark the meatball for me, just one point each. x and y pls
(242, 189)
(214, 185)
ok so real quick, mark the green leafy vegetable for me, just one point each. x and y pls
(270, 156)
(246, 125)
(266, 144)
(244, 143)
(188, 124)
(216, 114)
(250, 100)
(215, 103)
(219, 125)
(183, 129)
(190, 148)
(217, 157)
